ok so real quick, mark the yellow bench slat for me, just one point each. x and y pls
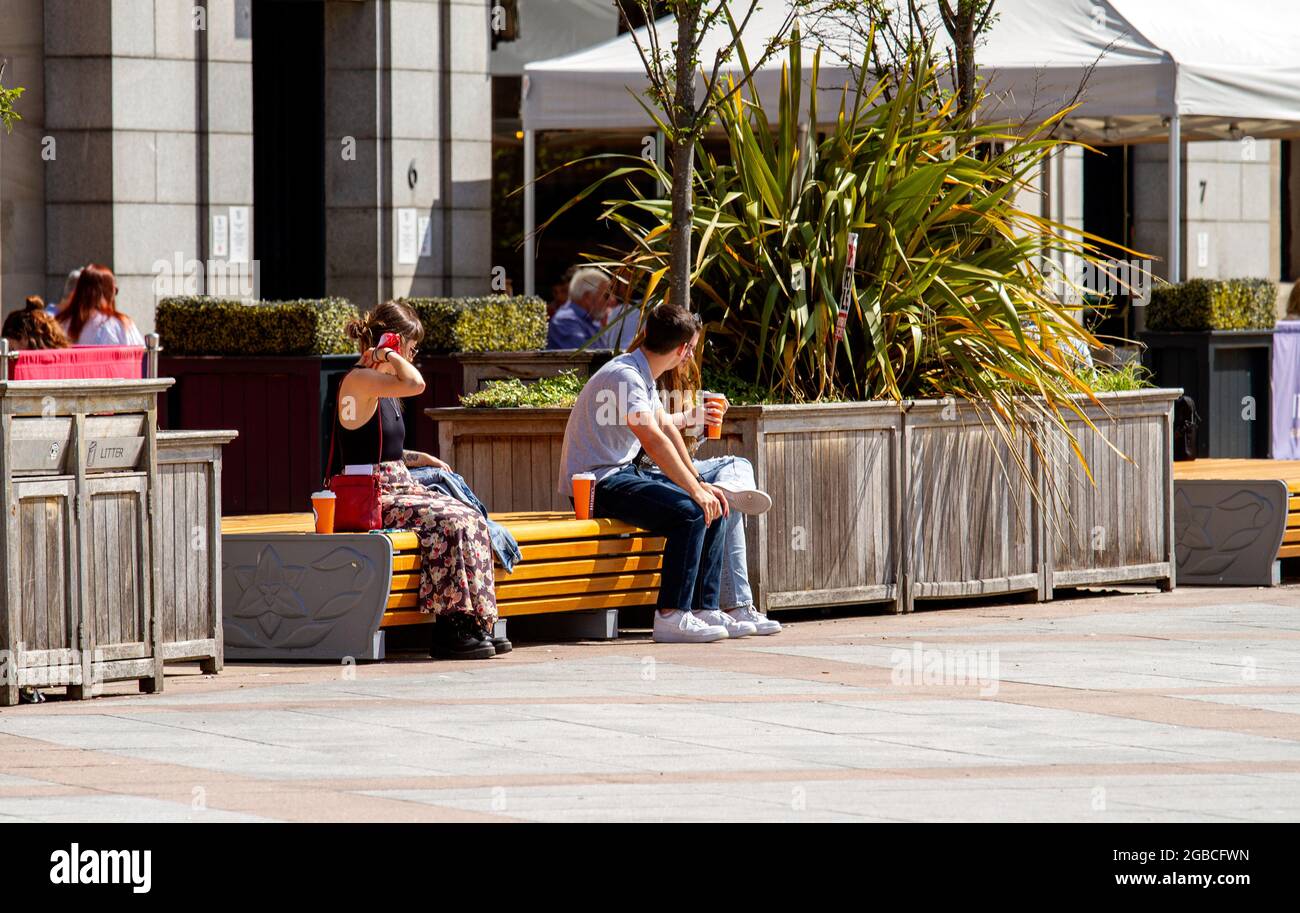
(268, 523)
(406, 581)
(589, 547)
(402, 540)
(620, 600)
(546, 570)
(406, 600)
(575, 586)
(540, 526)
(399, 619)
(1228, 469)
(547, 530)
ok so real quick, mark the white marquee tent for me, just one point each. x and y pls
(1158, 70)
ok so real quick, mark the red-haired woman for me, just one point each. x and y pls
(91, 318)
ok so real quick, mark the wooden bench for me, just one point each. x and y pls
(1234, 519)
(279, 572)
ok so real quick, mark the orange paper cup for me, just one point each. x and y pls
(584, 495)
(714, 431)
(322, 505)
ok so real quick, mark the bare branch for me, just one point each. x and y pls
(774, 44)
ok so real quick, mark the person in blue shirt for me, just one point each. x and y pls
(582, 318)
(621, 326)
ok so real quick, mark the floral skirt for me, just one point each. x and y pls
(456, 551)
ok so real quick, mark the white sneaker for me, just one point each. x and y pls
(747, 614)
(685, 628)
(746, 500)
(735, 626)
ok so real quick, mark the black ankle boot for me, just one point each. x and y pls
(460, 636)
(502, 644)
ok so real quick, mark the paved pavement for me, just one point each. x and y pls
(1137, 706)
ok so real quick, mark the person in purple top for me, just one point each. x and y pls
(582, 318)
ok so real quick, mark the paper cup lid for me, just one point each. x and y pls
(322, 494)
(585, 475)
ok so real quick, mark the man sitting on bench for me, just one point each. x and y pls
(619, 412)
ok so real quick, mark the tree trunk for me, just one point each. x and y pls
(683, 124)
(966, 61)
(683, 213)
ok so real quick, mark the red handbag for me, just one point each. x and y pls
(356, 498)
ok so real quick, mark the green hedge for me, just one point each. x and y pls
(1214, 304)
(220, 326)
(495, 323)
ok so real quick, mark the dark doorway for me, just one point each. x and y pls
(289, 147)
(1107, 183)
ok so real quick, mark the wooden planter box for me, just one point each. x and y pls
(189, 549)
(278, 406)
(972, 525)
(1219, 369)
(79, 473)
(1121, 529)
(873, 502)
(831, 536)
(509, 457)
(448, 377)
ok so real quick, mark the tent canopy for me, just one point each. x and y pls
(1226, 71)
(1171, 70)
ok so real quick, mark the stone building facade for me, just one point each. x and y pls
(342, 145)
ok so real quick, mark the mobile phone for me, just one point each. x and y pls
(390, 341)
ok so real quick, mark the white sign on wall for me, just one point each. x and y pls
(408, 243)
(239, 234)
(220, 236)
(426, 236)
(1202, 248)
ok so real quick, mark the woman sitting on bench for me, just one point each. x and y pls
(456, 579)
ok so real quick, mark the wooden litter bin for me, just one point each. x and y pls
(79, 466)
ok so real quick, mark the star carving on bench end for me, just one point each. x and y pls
(270, 591)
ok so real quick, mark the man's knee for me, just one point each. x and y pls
(692, 514)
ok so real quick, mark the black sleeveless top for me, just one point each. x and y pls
(361, 446)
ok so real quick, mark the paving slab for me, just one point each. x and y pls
(1135, 706)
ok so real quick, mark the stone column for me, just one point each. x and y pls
(149, 133)
(408, 138)
(79, 179)
(1231, 206)
(22, 168)
(227, 153)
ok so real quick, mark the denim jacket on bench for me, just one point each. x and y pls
(449, 483)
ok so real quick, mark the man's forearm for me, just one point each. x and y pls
(664, 452)
(673, 433)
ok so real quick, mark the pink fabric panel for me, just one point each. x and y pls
(80, 363)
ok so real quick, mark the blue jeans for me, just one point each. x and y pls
(692, 565)
(735, 591)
